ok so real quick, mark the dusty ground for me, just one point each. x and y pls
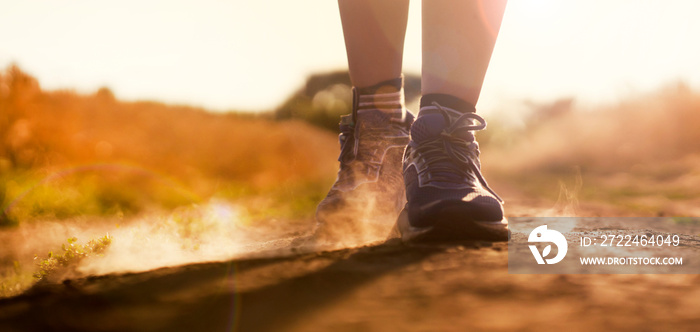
(387, 287)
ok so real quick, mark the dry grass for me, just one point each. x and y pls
(72, 165)
(94, 154)
(643, 154)
(63, 154)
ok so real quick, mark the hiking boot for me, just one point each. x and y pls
(447, 196)
(368, 194)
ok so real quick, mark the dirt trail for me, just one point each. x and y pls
(388, 287)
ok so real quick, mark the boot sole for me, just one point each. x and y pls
(451, 225)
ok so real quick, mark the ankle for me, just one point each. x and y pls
(445, 101)
(386, 97)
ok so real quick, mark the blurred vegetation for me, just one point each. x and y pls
(15, 279)
(63, 154)
(643, 130)
(325, 97)
(641, 154)
(71, 255)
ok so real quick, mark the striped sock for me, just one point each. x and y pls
(387, 97)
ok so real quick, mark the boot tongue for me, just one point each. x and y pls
(369, 119)
(427, 127)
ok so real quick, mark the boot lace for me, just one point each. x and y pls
(456, 146)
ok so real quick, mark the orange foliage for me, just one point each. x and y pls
(56, 129)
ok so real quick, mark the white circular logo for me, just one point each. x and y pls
(542, 234)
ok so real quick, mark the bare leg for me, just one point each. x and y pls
(374, 33)
(458, 39)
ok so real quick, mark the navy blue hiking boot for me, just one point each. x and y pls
(368, 194)
(448, 198)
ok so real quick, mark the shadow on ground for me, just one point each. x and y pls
(247, 295)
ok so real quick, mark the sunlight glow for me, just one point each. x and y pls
(252, 55)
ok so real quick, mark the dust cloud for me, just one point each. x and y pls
(567, 204)
(216, 231)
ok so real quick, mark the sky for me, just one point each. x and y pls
(251, 55)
